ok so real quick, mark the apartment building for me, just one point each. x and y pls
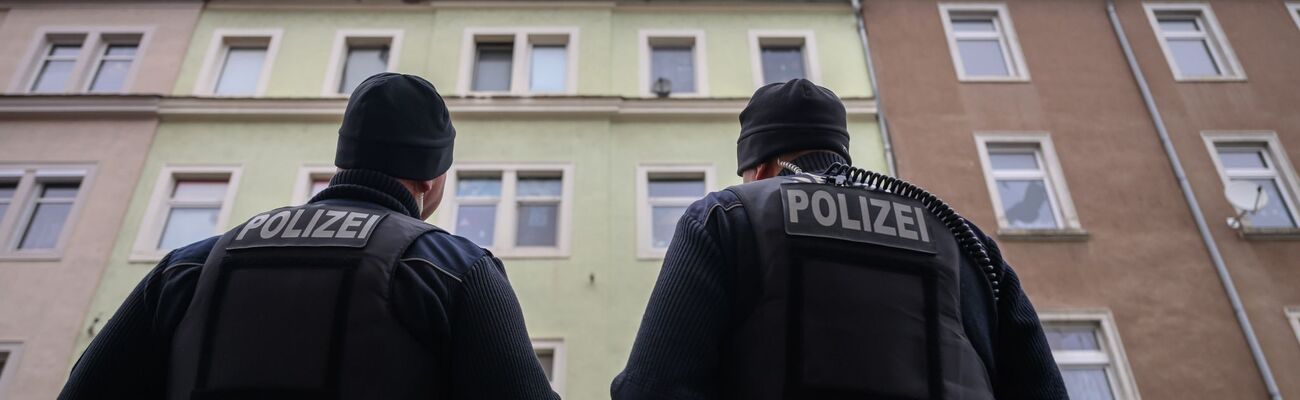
(80, 83)
(584, 129)
(1027, 117)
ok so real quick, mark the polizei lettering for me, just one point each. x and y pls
(308, 226)
(855, 214)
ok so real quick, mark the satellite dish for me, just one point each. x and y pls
(1246, 196)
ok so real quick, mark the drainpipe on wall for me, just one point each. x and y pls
(886, 142)
(1264, 371)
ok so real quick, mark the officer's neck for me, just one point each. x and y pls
(816, 161)
(371, 187)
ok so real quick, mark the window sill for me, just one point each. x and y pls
(1043, 235)
(1267, 234)
(520, 254)
(41, 257)
(145, 257)
(1207, 79)
(1016, 79)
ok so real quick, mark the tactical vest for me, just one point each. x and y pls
(857, 298)
(293, 304)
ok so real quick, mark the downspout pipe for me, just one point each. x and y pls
(1228, 286)
(890, 167)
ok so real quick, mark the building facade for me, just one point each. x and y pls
(80, 85)
(569, 166)
(1027, 117)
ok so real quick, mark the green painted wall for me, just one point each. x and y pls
(597, 321)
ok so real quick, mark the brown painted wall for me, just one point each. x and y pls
(1143, 259)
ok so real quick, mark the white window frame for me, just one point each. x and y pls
(1058, 192)
(151, 226)
(15, 350)
(1294, 10)
(215, 58)
(306, 175)
(1283, 172)
(1006, 35)
(644, 235)
(521, 59)
(1118, 371)
(506, 217)
(812, 68)
(344, 39)
(700, 55)
(13, 223)
(1220, 49)
(1293, 316)
(93, 42)
(556, 346)
(106, 39)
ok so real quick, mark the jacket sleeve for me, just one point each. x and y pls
(1025, 367)
(677, 350)
(492, 356)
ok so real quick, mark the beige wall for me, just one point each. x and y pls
(1142, 258)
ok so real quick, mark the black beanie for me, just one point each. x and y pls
(792, 116)
(396, 124)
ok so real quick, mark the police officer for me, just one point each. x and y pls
(817, 280)
(351, 296)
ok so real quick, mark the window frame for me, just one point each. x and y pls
(503, 243)
(93, 41)
(1013, 56)
(520, 59)
(99, 56)
(699, 54)
(558, 366)
(1293, 316)
(15, 350)
(1216, 41)
(13, 224)
(812, 68)
(306, 175)
(1283, 171)
(1118, 371)
(1058, 191)
(644, 228)
(151, 227)
(214, 60)
(1294, 10)
(344, 39)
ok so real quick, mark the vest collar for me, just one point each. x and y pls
(815, 162)
(371, 187)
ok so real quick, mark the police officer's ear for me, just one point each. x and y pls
(764, 170)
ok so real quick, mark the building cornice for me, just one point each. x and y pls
(330, 109)
(703, 6)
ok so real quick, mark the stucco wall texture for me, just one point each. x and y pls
(1142, 259)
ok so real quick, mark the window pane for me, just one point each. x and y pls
(362, 62)
(493, 68)
(120, 50)
(7, 190)
(1072, 338)
(1013, 161)
(477, 223)
(549, 69)
(241, 70)
(199, 191)
(1274, 214)
(539, 187)
(663, 223)
(1025, 204)
(973, 25)
(537, 225)
(781, 64)
(1087, 384)
(1179, 25)
(1193, 57)
(661, 187)
(60, 191)
(111, 76)
(478, 187)
(676, 64)
(65, 50)
(982, 57)
(53, 77)
(319, 185)
(1242, 159)
(45, 226)
(547, 358)
(188, 225)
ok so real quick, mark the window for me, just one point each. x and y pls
(36, 205)
(91, 59)
(1193, 43)
(189, 204)
(550, 353)
(512, 61)
(113, 68)
(57, 64)
(983, 43)
(663, 193)
(1026, 184)
(672, 63)
(238, 62)
(780, 56)
(9, 355)
(312, 180)
(1087, 349)
(360, 54)
(1257, 158)
(515, 210)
